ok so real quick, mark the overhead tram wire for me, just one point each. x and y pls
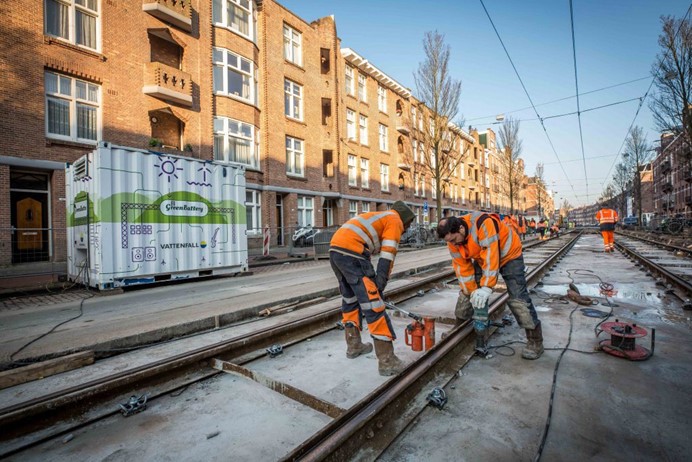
(576, 85)
(560, 99)
(545, 130)
(641, 103)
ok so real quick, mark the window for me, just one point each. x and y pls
(455, 193)
(413, 116)
(384, 177)
(293, 100)
(363, 130)
(415, 184)
(293, 45)
(72, 108)
(295, 158)
(462, 170)
(350, 124)
(234, 75)
(253, 211)
(433, 188)
(349, 80)
(366, 207)
(76, 21)
(382, 98)
(234, 141)
(236, 15)
(352, 181)
(463, 196)
(362, 88)
(384, 138)
(421, 185)
(364, 173)
(306, 211)
(352, 209)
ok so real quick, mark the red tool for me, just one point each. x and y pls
(622, 340)
(420, 333)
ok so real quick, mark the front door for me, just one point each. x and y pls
(29, 217)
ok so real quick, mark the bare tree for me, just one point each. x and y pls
(440, 93)
(672, 103)
(638, 153)
(621, 183)
(510, 150)
(540, 188)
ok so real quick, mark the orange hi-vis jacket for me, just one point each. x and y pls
(490, 243)
(606, 216)
(511, 221)
(370, 233)
(521, 221)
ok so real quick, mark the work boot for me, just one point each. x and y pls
(534, 343)
(389, 364)
(354, 346)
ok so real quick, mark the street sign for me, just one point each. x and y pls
(425, 207)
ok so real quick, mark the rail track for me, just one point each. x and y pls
(344, 409)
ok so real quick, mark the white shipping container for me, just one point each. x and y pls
(136, 217)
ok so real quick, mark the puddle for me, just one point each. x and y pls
(542, 308)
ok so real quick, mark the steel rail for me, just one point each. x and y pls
(371, 422)
(656, 243)
(667, 274)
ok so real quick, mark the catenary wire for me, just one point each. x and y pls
(576, 85)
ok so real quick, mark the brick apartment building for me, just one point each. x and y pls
(324, 134)
(672, 177)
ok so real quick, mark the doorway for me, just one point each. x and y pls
(29, 211)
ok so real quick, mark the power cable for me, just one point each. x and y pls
(576, 85)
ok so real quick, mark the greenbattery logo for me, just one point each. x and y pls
(184, 208)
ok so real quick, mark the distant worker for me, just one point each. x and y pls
(361, 287)
(606, 222)
(521, 221)
(532, 226)
(554, 230)
(481, 246)
(541, 227)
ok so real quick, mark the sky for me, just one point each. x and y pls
(616, 44)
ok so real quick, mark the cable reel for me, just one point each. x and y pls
(622, 341)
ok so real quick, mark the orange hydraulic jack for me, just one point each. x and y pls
(421, 332)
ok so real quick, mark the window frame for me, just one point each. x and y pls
(352, 170)
(363, 129)
(297, 156)
(289, 95)
(72, 9)
(362, 87)
(74, 102)
(250, 10)
(365, 206)
(364, 173)
(348, 81)
(384, 177)
(382, 98)
(253, 208)
(293, 45)
(350, 124)
(226, 66)
(352, 209)
(383, 137)
(304, 209)
(239, 135)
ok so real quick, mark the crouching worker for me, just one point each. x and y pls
(361, 286)
(481, 246)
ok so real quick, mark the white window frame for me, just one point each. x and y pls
(364, 173)
(350, 124)
(362, 87)
(421, 180)
(415, 184)
(414, 148)
(72, 9)
(348, 80)
(239, 132)
(352, 172)
(65, 95)
(382, 98)
(384, 177)
(293, 45)
(295, 156)
(352, 209)
(253, 212)
(365, 206)
(383, 136)
(306, 211)
(243, 67)
(413, 116)
(463, 195)
(246, 6)
(293, 99)
(433, 188)
(363, 128)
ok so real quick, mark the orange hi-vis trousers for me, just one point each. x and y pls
(608, 240)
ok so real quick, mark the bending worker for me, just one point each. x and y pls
(361, 286)
(606, 222)
(481, 246)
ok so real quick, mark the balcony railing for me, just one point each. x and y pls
(402, 125)
(667, 187)
(175, 12)
(167, 83)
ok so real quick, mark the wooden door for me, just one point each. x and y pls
(29, 224)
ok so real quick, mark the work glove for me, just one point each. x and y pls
(480, 296)
(381, 283)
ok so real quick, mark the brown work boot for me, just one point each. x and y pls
(534, 343)
(389, 364)
(354, 346)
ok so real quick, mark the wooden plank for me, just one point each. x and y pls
(46, 368)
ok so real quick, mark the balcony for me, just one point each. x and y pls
(667, 187)
(665, 167)
(404, 166)
(402, 125)
(688, 200)
(688, 176)
(175, 12)
(168, 84)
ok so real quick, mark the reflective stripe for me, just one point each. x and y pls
(380, 337)
(465, 279)
(362, 234)
(390, 243)
(488, 240)
(455, 254)
(387, 255)
(350, 299)
(508, 244)
(367, 224)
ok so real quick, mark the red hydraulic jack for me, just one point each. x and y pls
(420, 333)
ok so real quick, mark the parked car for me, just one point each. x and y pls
(629, 222)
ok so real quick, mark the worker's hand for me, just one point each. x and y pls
(381, 283)
(480, 296)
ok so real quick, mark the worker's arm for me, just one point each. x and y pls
(489, 241)
(391, 235)
(463, 268)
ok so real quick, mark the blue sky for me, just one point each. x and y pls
(616, 42)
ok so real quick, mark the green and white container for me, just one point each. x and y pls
(137, 217)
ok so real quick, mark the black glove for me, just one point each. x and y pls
(381, 283)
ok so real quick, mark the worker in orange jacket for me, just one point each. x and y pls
(483, 247)
(361, 286)
(521, 221)
(606, 221)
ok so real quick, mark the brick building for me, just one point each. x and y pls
(672, 177)
(323, 133)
